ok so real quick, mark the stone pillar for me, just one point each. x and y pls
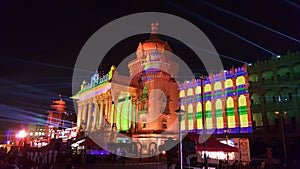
(137, 115)
(106, 108)
(79, 114)
(101, 119)
(89, 115)
(116, 99)
(236, 113)
(133, 102)
(95, 114)
(109, 109)
(83, 117)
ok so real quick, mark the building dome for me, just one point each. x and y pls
(153, 43)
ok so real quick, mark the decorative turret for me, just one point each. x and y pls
(152, 55)
(59, 105)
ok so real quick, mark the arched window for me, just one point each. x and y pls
(283, 73)
(228, 83)
(230, 113)
(229, 87)
(286, 95)
(218, 89)
(217, 86)
(296, 69)
(270, 97)
(267, 75)
(208, 115)
(219, 114)
(243, 111)
(207, 88)
(255, 99)
(190, 92)
(199, 115)
(198, 90)
(182, 93)
(240, 80)
(253, 77)
(257, 118)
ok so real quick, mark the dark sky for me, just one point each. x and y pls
(40, 41)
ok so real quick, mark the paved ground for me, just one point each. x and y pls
(148, 163)
(155, 165)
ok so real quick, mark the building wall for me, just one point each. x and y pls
(226, 103)
(275, 86)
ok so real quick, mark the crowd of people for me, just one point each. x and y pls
(28, 158)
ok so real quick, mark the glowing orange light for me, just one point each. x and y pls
(277, 112)
(21, 134)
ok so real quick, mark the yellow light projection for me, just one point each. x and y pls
(228, 83)
(111, 114)
(182, 93)
(190, 92)
(218, 86)
(240, 80)
(243, 113)
(190, 117)
(230, 113)
(208, 115)
(198, 90)
(219, 114)
(199, 115)
(207, 88)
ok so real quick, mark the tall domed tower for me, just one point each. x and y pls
(55, 116)
(152, 73)
(153, 54)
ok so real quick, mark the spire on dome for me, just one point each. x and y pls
(154, 28)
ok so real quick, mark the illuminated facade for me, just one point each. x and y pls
(55, 116)
(132, 105)
(274, 86)
(60, 123)
(226, 103)
(136, 105)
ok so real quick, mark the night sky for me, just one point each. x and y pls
(40, 42)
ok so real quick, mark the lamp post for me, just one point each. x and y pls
(226, 136)
(203, 122)
(281, 116)
(180, 112)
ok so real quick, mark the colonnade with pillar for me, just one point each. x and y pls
(95, 112)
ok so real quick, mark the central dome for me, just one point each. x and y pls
(154, 43)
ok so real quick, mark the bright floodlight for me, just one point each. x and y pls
(21, 134)
(278, 56)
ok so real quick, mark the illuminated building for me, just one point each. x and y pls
(60, 123)
(226, 98)
(226, 103)
(274, 86)
(55, 116)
